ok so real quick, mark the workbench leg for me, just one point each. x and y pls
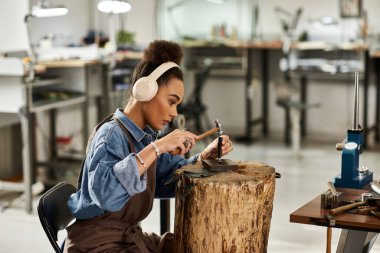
(103, 105)
(248, 96)
(165, 215)
(85, 131)
(377, 123)
(365, 98)
(26, 159)
(264, 81)
(353, 241)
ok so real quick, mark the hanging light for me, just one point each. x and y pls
(45, 9)
(217, 1)
(114, 6)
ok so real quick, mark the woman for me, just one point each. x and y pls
(126, 166)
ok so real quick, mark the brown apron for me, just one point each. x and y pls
(119, 231)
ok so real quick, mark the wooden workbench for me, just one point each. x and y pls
(359, 231)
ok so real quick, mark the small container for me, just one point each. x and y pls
(366, 196)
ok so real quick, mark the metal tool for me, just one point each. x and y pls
(370, 202)
(375, 213)
(366, 195)
(342, 209)
(331, 187)
(353, 176)
(366, 209)
(375, 186)
(219, 164)
(331, 198)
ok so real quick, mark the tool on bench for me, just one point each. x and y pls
(353, 176)
(331, 198)
(375, 186)
(219, 164)
(369, 205)
(366, 209)
(200, 137)
(370, 202)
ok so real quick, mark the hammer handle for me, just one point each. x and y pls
(341, 209)
(207, 133)
(200, 137)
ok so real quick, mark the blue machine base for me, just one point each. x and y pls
(357, 183)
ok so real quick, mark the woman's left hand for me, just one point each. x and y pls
(211, 151)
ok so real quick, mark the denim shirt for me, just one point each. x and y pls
(110, 172)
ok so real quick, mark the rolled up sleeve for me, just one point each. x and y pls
(128, 174)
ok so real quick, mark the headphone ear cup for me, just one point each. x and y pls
(144, 89)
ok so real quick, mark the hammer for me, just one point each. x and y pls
(200, 137)
(369, 202)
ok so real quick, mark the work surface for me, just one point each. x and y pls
(312, 213)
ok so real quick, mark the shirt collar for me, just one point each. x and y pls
(134, 129)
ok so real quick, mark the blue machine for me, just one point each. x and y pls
(352, 176)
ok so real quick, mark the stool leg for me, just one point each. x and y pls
(377, 126)
(296, 130)
(303, 101)
(287, 126)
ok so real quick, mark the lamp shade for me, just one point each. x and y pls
(44, 9)
(217, 1)
(114, 6)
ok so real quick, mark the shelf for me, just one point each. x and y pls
(44, 105)
(47, 82)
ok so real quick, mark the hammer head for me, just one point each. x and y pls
(219, 126)
(372, 202)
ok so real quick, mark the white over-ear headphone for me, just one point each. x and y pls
(146, 87)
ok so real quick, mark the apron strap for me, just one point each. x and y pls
(125, 130)
(136, 236)
(94, 130)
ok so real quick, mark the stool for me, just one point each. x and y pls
(293, 122)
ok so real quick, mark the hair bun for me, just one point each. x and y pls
(160, 51)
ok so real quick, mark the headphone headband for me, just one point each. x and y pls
(160, 70)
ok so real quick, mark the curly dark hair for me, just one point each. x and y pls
(158, 52)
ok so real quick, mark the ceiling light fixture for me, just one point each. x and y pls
(217, 1)
(41, 10)
(45, 9)
(114, 6)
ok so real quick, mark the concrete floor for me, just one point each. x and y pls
(302, 179)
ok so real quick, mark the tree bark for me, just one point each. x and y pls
(228, 212)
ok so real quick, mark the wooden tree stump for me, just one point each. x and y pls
(228, 212)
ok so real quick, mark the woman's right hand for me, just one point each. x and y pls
(184, 140)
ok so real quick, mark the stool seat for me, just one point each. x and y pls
(290, 123)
